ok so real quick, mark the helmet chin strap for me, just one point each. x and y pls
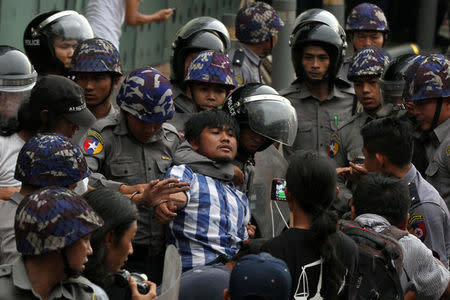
(437, 113)
(67, 269)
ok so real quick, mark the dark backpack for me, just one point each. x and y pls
(380, 262)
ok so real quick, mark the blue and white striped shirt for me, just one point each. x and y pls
(213, 221)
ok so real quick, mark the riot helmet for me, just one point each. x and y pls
(319, 34)
(367, 16)
(17, 78)
(369, 61)
(264, 111)
(49, 28)
(392, 82)
(318, 15)
(202, 33)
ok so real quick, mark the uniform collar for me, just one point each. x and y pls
(409, 177)
(442, 131)
(122, 129)
(254, 59)
(304, 91)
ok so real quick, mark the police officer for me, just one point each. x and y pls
(52, 228)
(51, 38)
(346, 144)
(257, 26)
(127, 152)
(427, 86)
(392, 83)
(323, 105)
(209, 79)
(97, 69)
(202, 33)
(366, 26)
(17, 78)
(44, 160)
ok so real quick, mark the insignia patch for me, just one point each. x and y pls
(165, 157)
(447, 151)
(333, 147)
(239, 79)
(93, 144)
(416, 226)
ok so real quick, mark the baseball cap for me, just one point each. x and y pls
(260, 275)
(62, 96)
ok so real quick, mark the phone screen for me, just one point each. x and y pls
(278, 185)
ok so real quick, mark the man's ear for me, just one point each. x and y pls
(194, 144)
(353, 217)
(43, 115)
(226, 295)
(116, 81)
(404, 223)
(109, 240)
(188, 91)
(381, 160)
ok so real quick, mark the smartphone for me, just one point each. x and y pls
(359, 160)
(278, 185)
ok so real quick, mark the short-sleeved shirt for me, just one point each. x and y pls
(8, 250)
(212, 223)
(9, 150)
(15, 284)
(115, 157)
(245, 64)
(429, 278)
(438, 171)
(429, 216)
(297, 248)
(318, 120)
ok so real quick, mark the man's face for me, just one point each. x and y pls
(424, 111)
(315, 62)
(250, 140)
(141, 130)
(218, 144)
(9, 103)
(267, 46)
(64, 50)
(66, 128)
(78, 252)
(368, 92)
(363, 38)
(206, 96)
(96, 86)
(370, 161)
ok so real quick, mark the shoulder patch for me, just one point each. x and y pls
(239, 79)
(333, 147)
(416, 226)
(94, 143)
(447, 150)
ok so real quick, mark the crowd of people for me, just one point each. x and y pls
(96, 184)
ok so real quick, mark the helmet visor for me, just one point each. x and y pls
(391, 91)
(68, 27)
(274, 119)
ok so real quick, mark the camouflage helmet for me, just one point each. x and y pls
(96, 55)
(147, 94)
(52, 218)
(50, 159)
(367, 16)
(211, 67)
(427, 78)
(369, 61)
(257, 23)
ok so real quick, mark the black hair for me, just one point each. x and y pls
(311, 180)
(212, 119)
(118, 213)
(381, 194)
(391, 137)
(30, 120)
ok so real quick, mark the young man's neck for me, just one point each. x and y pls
(44, 273)
(101, 110)
(398, 172)
(319, 90)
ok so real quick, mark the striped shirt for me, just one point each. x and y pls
(213, 221)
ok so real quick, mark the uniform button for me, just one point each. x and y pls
(321, 145)
(126, 171)
(321, 126)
